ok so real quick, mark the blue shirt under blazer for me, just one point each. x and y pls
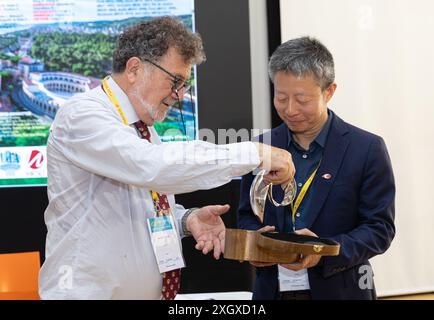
(356, 208)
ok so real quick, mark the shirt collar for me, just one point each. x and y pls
(124, 102)
(321, 139)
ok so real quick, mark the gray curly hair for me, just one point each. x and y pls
(303, 57)
(153, 38)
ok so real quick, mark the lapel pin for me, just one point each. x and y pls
(327, 176)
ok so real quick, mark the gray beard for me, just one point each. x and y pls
(154, 113)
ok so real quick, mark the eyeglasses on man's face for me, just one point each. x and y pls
(178, 84)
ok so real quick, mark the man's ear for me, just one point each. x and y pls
(330, 91)
(132, 68)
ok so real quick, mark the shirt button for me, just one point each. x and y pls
(298, 215)
(300, 184)
(304, 156)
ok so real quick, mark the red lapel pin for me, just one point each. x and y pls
(327, 176)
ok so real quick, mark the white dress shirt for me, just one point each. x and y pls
(100, 173)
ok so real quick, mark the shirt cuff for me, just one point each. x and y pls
(244, 157)
(179, 213)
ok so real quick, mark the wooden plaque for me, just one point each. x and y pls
(245, 245)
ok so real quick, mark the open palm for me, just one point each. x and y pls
(208, 229)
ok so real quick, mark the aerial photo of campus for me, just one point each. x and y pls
(43, 65)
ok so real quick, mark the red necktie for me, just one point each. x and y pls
(171, 283)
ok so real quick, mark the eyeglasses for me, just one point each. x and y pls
(178, 84)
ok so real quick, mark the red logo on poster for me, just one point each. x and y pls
(36, 159)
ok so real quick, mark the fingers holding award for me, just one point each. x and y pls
(276, 163)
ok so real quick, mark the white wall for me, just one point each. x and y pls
(384, 51)
(259, 64)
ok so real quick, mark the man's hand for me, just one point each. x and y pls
(308, 261)
(258, 263)
(277, 162)
(208, 229)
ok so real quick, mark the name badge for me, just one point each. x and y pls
(166, 244)
(293, 280)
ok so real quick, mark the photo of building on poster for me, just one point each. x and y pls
(52, 50)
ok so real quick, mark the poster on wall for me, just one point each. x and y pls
(51, 50)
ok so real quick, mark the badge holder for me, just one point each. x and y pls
(273, 247)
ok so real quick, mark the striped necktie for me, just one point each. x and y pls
(171, 279)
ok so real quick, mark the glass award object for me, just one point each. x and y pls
(260, 190)
(273, 247)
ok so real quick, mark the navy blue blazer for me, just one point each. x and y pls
(356, 208)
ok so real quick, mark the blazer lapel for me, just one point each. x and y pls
(334, 153)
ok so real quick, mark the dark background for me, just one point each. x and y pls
(224, 97)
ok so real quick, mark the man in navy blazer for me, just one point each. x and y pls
(350, 199)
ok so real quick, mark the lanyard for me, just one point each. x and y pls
(156, 199)
(294, 207)
(113, 100)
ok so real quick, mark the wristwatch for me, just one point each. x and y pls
(186, 232)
